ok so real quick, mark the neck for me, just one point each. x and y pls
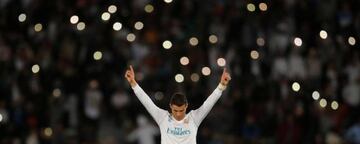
(178, 119)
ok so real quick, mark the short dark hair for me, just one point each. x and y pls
(178, 99)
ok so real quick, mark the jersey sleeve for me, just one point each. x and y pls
(200, 113)
(157, 113)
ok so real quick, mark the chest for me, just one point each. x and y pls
(179, 129)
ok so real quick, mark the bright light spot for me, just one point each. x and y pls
(168, 1)
(298, 41)
(131, 37)
(38, 27)
(323, 34)
(315, 95)
(221, 62)
(260, 41)
(139, 25)
(334, 105)
(323, 103)
(184, 60)
(195, 77)
(263, 6)
(105, 16)
(35, 68)
(351, 40)
(1, 118)
(206, 71)
(117, 26)
(48, 132)
(179, 78)
(80, 26)
(296, 86)
(22, 17)
(159, 95)
(213, 39)
(254, 54)
(74, 19)
(56, 92)
(167, 44)
(112, 9)
(193, 41)
(250, 7)
(149, 8)
(97, 55)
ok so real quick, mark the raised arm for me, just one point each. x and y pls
(200, 113)
(157, 113)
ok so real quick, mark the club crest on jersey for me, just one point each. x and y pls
(186, 121)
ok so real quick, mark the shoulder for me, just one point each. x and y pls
(190, 114)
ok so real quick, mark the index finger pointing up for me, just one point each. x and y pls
(131, 68)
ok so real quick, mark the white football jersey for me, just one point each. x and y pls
(173, 131)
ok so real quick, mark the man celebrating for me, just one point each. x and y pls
(178, 127)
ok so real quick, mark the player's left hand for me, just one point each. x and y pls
(225, 78)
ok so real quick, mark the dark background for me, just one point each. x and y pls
(77, 99)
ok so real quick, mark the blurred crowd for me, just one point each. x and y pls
(73, 98)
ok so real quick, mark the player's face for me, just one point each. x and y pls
(178, 112)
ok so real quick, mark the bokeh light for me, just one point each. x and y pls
(315, 95)
(149, 8)
(193, 41)
(351, 40)
(38, 27)
(213, 39)
(139, 25)
(80, 26)
(260, 41)
(22, 17)
(184, 60)
(221, 62)
(254, 54)
(97, 55)
(35, 68)
(74, 19)
(105, 16)
(117, 26)
(179, 78)
(323, 34)
(250, 7)
(48, 132)
(298, 41)
(295, 86)
(131, 37)
(323, 102)
(167, 44)
(57, 92)
(263, 6)
(195, 77)
(206, 71)
(112, 9)
(334, 105)
(168, 1)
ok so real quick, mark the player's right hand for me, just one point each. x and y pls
(130, 76)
